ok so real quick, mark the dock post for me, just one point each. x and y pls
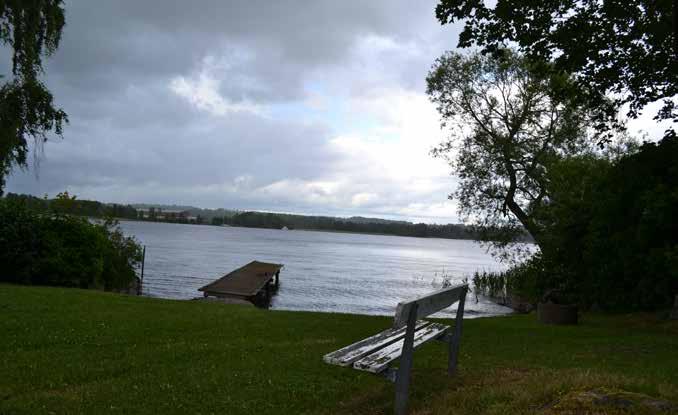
(277, 279)
(140, 285)
(143, 261)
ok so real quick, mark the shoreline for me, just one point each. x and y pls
(469, 314)
(298, 230)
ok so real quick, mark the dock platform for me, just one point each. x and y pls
(253, 282)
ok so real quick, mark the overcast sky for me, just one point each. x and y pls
(314, 107)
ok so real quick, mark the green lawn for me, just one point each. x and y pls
(75, 351)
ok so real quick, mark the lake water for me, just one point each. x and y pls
(324, 271)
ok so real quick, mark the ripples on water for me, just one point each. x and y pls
(324, 271)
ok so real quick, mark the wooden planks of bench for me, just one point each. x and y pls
(374, 354)
(379, 360)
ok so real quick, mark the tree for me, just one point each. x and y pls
(64, 203)
(575, 184)
(508, 125)
(625, 48)
(612, 236)
(632, 241)
(32, 28)
(64, 250)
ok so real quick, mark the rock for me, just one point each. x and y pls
(603, 400)
(520, 304)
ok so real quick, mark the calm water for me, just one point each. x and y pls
(329, 272)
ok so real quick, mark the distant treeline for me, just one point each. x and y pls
(74, 206)
(357, 225)
(65, 203)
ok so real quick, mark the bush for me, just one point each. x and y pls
(62, 250)
(610, 234)
(629, 250)
(611, 231)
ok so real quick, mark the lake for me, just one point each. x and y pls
(324, 271)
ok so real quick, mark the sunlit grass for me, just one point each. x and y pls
(74, 351)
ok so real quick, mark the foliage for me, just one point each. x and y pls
(60, 249)
(604, 226)
(575, 184)
(627, 49)
(71, 351)
(508, 125)
(64, 203)
(33, 30)
(612, 234)
(614, 228)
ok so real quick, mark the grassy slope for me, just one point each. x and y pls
(69, 351)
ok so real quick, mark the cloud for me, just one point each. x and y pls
(250, 105)
(203, 92)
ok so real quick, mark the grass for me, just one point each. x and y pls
(76, 351)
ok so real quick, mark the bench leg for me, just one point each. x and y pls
(402, 384)
(456, 337)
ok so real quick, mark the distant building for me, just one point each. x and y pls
(172, 215)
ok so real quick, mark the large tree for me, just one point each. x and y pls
(624, 49)
(32, 29)
(508, 124)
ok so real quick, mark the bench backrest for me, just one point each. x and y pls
(429, 304)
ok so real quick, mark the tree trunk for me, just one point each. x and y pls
(515, 208)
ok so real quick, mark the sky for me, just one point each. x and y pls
(314, 107)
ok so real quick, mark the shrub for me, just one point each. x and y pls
(57, 249)
(612, 229)
(633, 234)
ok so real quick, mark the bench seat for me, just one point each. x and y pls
(376, 353)
(379, 360)
(356, 351)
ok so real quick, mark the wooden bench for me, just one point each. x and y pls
(376, 353)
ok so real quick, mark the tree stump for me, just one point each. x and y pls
(674, 313)
(550, 313)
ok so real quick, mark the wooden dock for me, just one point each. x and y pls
(254, 282)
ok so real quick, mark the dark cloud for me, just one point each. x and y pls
(132, 137)
(273, 43)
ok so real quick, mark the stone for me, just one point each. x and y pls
(520, 305)
(603, 400)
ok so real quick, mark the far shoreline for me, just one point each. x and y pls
(299, 230)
